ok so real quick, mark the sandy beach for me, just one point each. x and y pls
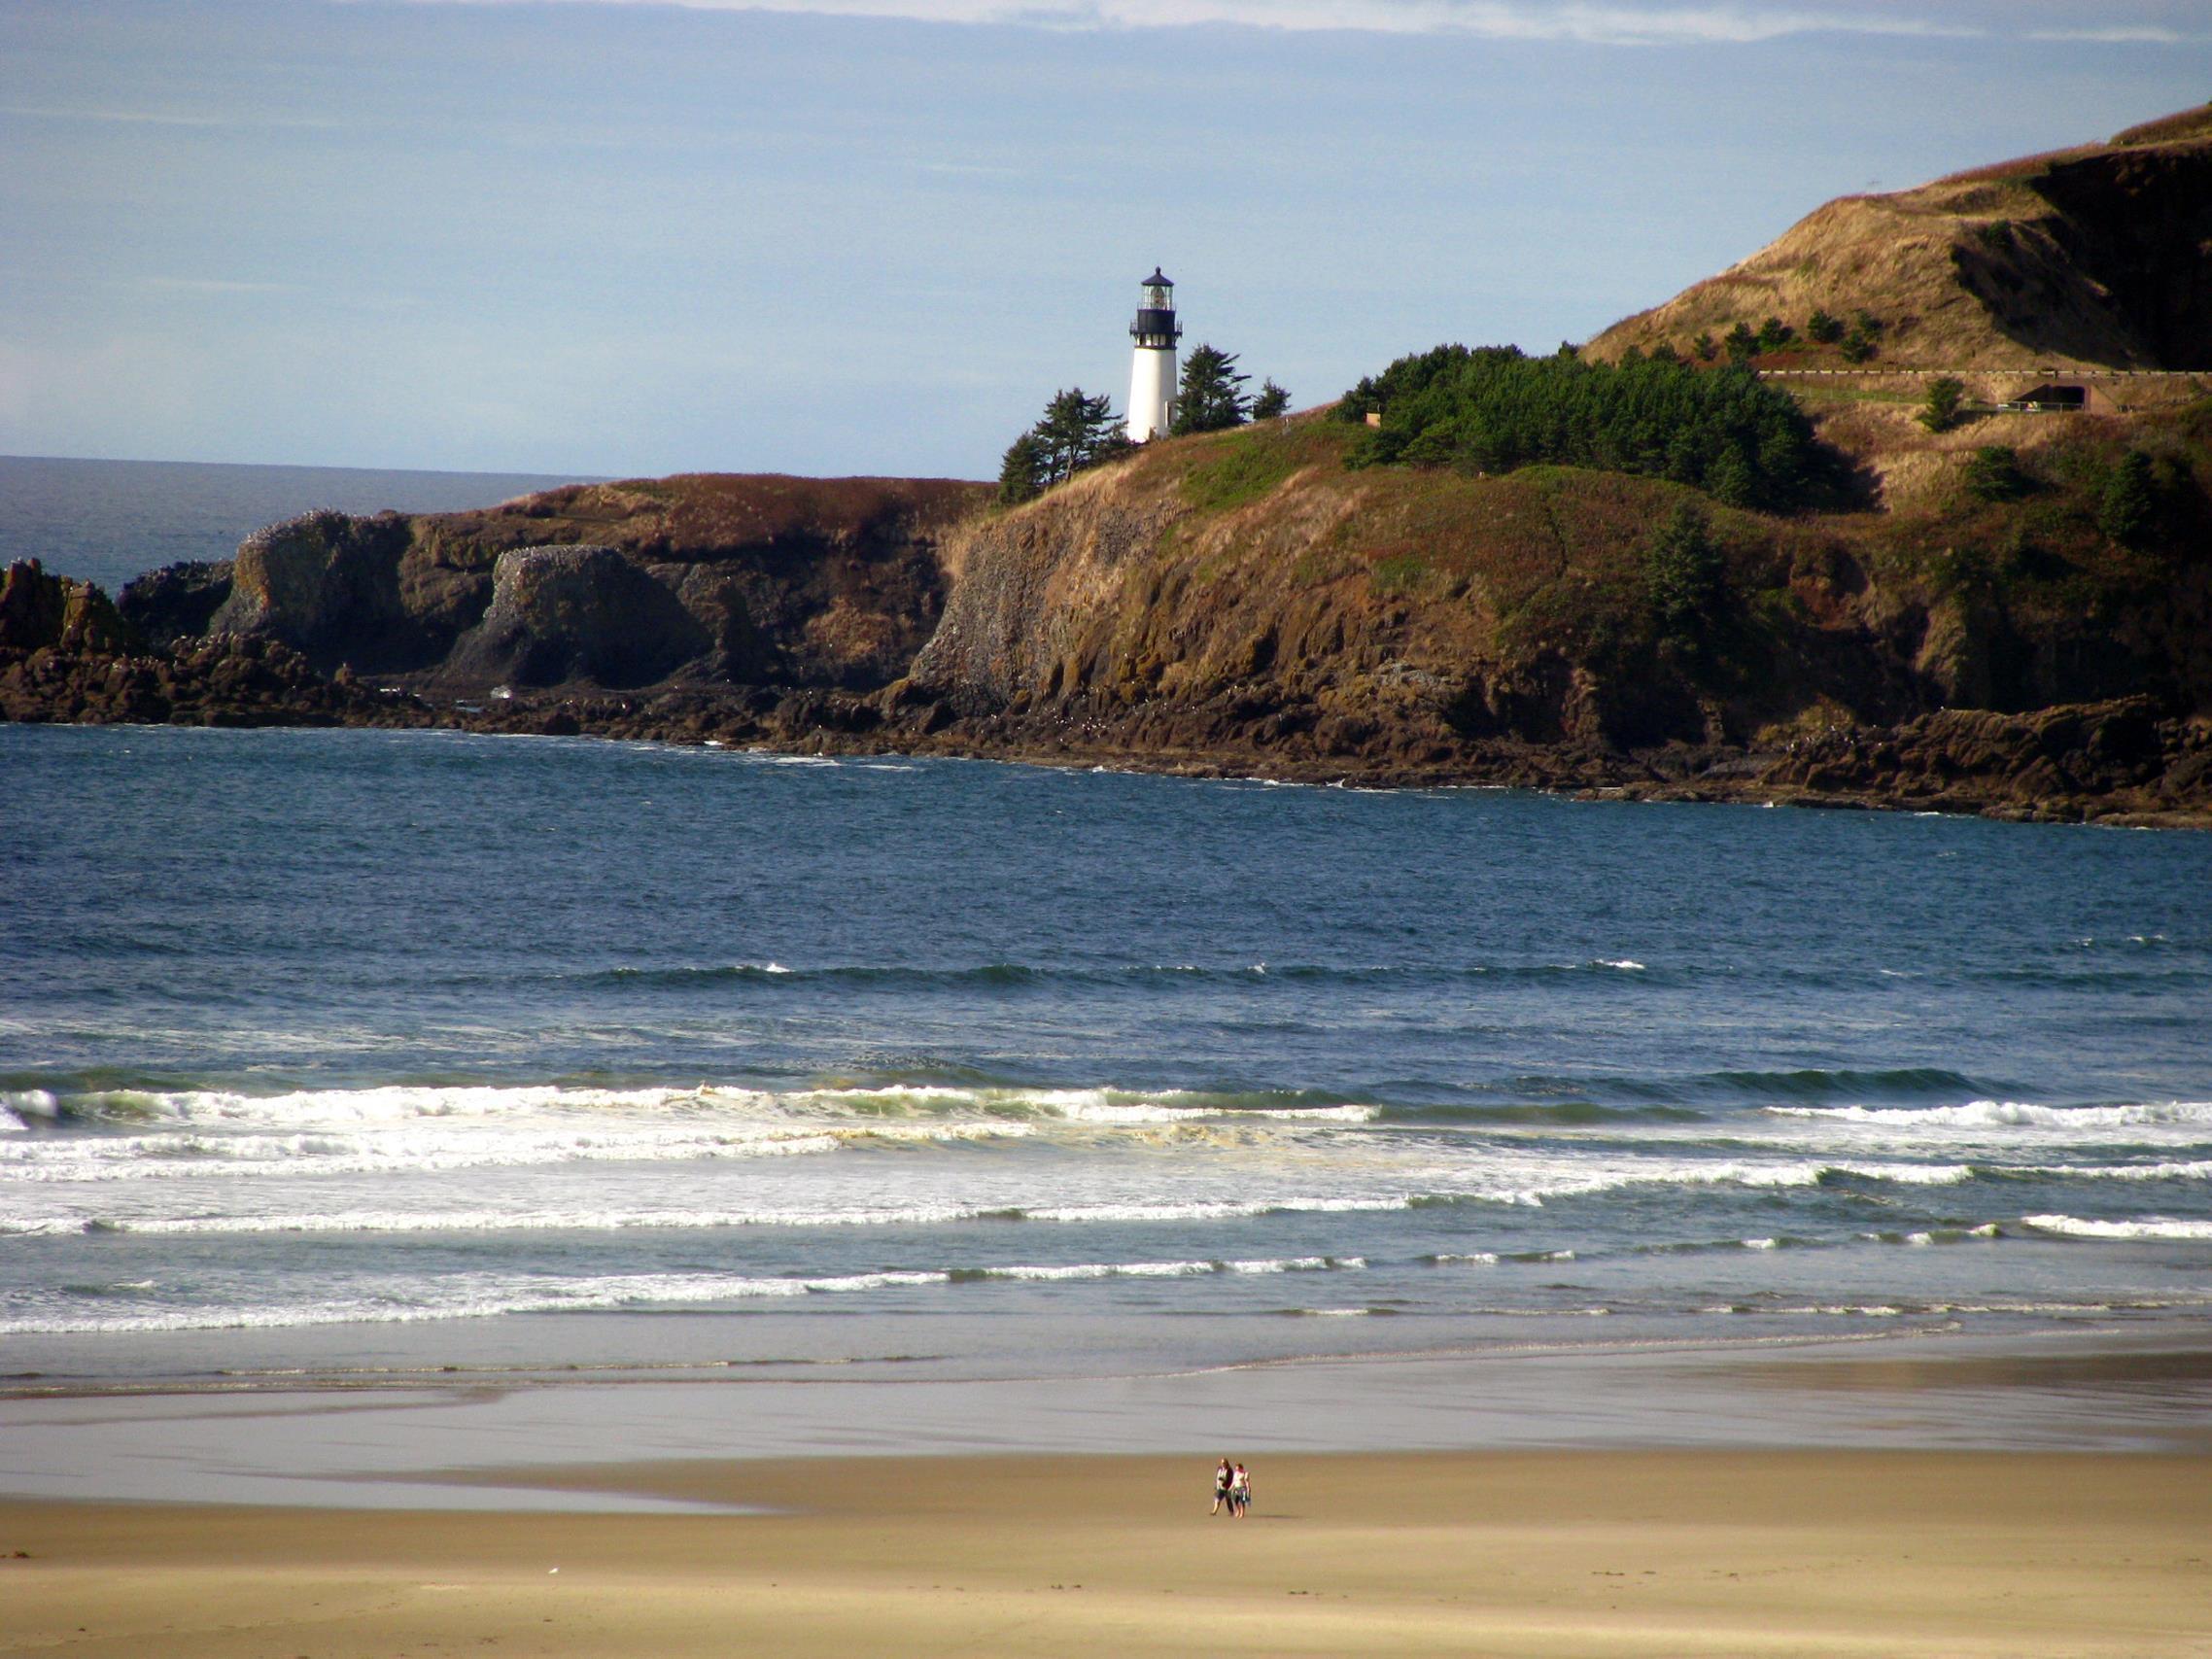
(1542, 1553)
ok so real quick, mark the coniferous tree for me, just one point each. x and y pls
(1021, 473)
(1707, 347)
(1946, 397)
(1683, 576)
(1822, 329)
(1272, 400)
(1743, 345)
(1774, 334)
(1211, 398)
(1076, 432)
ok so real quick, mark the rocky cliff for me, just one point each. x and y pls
(1246, 600)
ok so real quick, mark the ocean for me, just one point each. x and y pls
(108, 521)
(395, 1053)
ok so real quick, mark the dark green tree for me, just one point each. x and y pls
(1858, 346)
(1707, 347)
(1730, 480)
(1822, 329)
(2129, 504)
(1272, 402)
(1076, 432)
(1947, 396)
(1022, 472)
(1994, 475)
(1743, 345)
(1211, 398)
(1774, 334)
(1685, 577)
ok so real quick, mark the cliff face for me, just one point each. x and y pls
(790, 581)
(2100, 256)
(1248, 588)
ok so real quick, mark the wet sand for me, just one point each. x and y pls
(1514, 1553)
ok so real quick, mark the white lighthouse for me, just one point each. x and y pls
(1152, 373)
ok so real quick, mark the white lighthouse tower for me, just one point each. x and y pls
(1152, 373)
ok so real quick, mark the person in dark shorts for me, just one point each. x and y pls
(1223, 1478)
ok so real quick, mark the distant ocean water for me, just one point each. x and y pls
(364, 1050)
(108, 521)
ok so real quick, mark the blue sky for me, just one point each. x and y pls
(837, 236)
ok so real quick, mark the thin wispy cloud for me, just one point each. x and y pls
(211, 120)
(1582, 21)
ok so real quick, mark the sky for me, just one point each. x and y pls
(874, 236)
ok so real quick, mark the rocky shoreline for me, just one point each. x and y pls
(67, 655)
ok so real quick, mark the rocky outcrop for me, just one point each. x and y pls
(326, 584)
(66, 654)
(175, 602)
(789, 581)
(575, 614)
(38, 611)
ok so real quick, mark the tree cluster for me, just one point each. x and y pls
(1493, 409)
(1212, 399)
(1075, 432)
(1078, 431)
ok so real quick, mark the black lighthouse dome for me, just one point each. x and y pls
(1155, 325)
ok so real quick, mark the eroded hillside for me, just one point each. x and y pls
(2101, 254)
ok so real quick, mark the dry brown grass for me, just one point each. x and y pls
(1970, 271)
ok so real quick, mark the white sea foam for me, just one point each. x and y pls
(1760, 1243)
(2147, 1227)
(2009, 1114)
(182, 1155)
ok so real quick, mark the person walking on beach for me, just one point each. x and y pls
(1224, 1479)
(1240, 1492)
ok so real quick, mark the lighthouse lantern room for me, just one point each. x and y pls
(1152, 373)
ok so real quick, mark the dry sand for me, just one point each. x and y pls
(1541, 1553)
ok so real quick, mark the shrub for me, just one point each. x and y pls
(1743, 345)
(1774, 334)
(1707, 347)
(1994, 475)
(2130, 502)
(1858, 346)
(1822, 329)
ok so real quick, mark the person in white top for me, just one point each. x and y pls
(1240, 1491)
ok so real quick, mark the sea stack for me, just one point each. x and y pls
(1152, 370)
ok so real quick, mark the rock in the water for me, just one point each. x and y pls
(328, 585)
(38, 609)
(575, 614)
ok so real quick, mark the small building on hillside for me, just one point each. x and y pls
(2062, 398)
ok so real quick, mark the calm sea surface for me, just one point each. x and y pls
(108, 521)
(361, 1050)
